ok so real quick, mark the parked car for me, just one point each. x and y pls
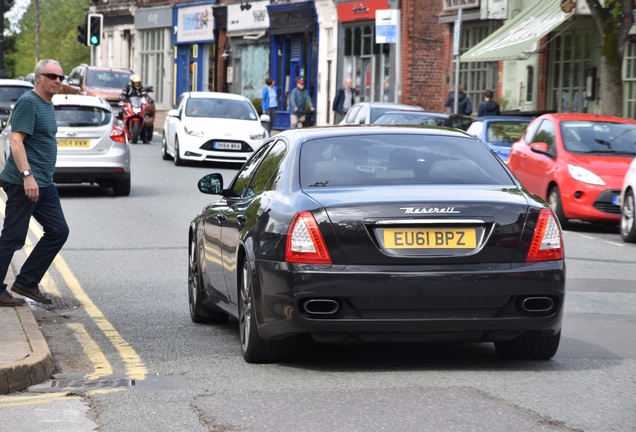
(104, 82)
(210, 126)
(375, 233)
(368, 112)
(499, 132)
(577, 162)
(416, 118)
(10, 92)
(91, 146)
(628, 205)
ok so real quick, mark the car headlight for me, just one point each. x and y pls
(193, 132)
(260, 135)
(584, 175)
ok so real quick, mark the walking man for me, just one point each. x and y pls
(343, 101)
(299, 100)
(28, 183)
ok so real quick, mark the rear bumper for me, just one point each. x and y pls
(381, 304)
(89, 174)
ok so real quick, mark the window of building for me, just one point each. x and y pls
(475, 77)
(153, 43)
(629, 79)
(571, 54)
(529, 83)
(367, 63)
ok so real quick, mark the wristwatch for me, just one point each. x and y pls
(26, 173)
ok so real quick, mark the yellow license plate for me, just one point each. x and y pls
(430, 238)
(73, 143)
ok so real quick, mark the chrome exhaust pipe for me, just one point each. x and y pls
(537, 304)
(321, 306)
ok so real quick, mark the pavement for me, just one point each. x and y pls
(25, 358)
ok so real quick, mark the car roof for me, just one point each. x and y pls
(393, 106)
(588, 117)
(353, 130)
(15, 83)
(104, 69)
(505, 118)
(216, 95)
(76, 99)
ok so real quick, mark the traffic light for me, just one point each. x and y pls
(95, 29)
(82, 32)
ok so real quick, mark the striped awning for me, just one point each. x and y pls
(519, 37)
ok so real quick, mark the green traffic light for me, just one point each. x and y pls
(94, 40)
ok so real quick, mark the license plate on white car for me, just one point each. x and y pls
(225, 145)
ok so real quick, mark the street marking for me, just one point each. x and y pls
(135, 368)
(10, 401)
(101, 365)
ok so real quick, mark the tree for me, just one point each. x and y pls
(58, 36)
(613, 19)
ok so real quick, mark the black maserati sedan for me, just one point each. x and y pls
(377, 233)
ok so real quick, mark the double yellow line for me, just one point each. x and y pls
(135, 368)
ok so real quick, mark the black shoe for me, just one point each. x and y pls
(32, 293)
(7, 299)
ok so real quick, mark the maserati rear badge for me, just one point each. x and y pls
(427, 210)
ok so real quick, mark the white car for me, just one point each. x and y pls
(212, 127)
(628, 208)
(91, 146)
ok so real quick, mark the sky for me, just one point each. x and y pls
(14, 14)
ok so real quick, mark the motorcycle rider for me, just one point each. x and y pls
(134, 88)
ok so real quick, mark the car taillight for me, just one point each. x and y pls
(118, 134)
(547, 244)
(304, 241)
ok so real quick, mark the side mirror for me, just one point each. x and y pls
(173, 113)
(541, 148)
(265, 119)
(74, 82)
(211, 184)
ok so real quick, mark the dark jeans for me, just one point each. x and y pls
(18, 211)
(271, 112)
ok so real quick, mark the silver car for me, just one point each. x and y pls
(91, 146)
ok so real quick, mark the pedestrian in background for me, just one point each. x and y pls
(28, 183)
(343, 101)
(299, 100)
(269, 101)
(463, 102)
(488, 107)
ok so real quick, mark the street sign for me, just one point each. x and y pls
(386, 26)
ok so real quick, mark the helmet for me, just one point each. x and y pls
(135, 81)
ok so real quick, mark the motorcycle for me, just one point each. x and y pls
(138, 116)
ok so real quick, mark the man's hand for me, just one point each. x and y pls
(31, 189)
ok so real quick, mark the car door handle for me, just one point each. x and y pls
(220, 217)
(241, 218)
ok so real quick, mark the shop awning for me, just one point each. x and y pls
(519, 36)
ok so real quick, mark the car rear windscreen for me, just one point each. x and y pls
(81, 116)
(367, 160)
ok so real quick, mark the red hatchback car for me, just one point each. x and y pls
(577, 163)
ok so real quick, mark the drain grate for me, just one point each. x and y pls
(105, 383)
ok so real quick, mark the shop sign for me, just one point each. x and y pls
(195, 24)
(386, 25)
(360, 10)
(450, 5)
(254, 18)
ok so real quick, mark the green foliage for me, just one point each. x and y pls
(258, 104)
(58, 37)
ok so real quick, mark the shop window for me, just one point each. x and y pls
(572, 57)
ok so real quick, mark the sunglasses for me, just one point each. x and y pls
(53, 76)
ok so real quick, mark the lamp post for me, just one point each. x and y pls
(226, 70)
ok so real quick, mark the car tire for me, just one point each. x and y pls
(177, 158)
(255, 349)
(199, 313)
(121, 187)
(554, 200)
(148, 132)
(164, 148)
(529, 346)
(628, 225)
